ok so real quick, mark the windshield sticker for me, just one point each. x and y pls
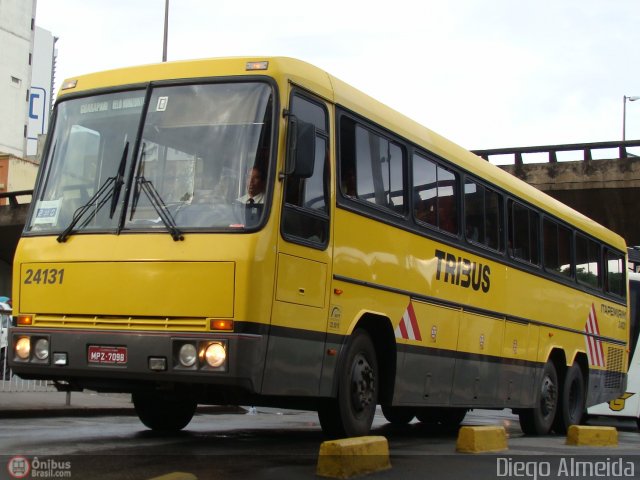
(122, 103)
(117, 104)
(47, 212)
(94, 107)
(162, 104)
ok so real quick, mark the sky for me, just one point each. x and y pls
(483, 73)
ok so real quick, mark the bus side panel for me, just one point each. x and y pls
(425, 373)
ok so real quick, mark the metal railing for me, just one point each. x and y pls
(587, 150)
(13, 196)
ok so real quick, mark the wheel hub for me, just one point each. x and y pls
(548, 397)
(362, 384)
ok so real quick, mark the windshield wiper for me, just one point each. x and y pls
(110, 189)
(142, 184)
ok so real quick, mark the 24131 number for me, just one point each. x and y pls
(44, 276)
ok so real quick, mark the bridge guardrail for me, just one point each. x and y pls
(13, 196)
(552, 150)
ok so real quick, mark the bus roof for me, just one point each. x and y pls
(284, 70)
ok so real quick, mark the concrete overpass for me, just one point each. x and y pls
(600, 180)
(12, 218)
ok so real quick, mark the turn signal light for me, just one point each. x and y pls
(25, 320)
(221, 325)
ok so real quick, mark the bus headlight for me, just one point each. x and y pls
(23, 348)
(188, 355)
(41, 349)
(215, 354)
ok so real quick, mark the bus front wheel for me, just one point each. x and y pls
(351, 413)
(162, 411)
(539, 419)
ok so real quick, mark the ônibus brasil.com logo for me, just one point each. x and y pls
(20, 467)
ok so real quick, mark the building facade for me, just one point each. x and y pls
(17, 32)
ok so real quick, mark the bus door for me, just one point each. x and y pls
(300, 310)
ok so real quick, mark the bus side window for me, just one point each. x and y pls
(524, 233)
(435, 194)
(371, 167)
(615, 273)
(305, 216)
(588, 271)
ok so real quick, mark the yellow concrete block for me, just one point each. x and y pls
(176, 476)
(347, 457)
(481, 439)
(583, 435)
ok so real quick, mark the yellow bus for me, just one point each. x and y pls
(254, 231)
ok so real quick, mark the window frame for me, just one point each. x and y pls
(302, 211)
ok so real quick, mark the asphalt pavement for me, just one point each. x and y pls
(15, 404)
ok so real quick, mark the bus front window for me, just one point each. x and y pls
(198, 144)
(92, 137)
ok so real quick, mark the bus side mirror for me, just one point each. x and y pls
(301, 148)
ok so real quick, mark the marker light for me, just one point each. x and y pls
(68, 84)
(41, 349)
(215, 354)
(257, 66)
(187, 355)
(23, 348)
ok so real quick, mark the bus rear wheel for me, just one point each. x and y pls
(539, 419)
(572, 401)
(351, 413)
(398, 415)
(447, 418)
(164, 412)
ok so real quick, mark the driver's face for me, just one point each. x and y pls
(255, 185)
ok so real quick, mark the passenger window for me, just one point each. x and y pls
(615, 278)
(523, 233)
(371, 167)
(306, 207)
(435, 194)
(557, 248)
(588, 262)
(483, 215)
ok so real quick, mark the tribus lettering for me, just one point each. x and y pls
(463, 272)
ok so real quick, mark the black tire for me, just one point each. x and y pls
(572, 400)
(398, 415)
(448, 418)
(351, 413)
(164, 412)
(539, 419)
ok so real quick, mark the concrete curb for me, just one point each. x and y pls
(349, 457)
(582, 435)
(481, 439)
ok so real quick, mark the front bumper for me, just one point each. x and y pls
(144, 351)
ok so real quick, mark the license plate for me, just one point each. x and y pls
(107, 355)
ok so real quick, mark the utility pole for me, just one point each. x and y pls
(166, 30)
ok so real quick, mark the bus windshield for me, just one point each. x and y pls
(201, 147)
